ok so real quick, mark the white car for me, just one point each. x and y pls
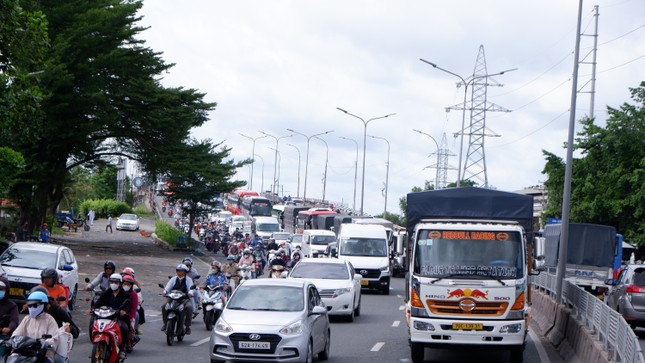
(24, 261)
(127, 221)
(339, 286)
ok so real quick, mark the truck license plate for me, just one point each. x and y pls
(15, 291)
(364, 282)
(255, 345)
(467, 326)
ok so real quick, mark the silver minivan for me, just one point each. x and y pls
(627, 295)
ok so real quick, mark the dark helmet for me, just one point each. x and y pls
(49, 272)
(109, 264)
(38, 288)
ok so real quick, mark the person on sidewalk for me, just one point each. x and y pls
(109, 223)
(90, 216)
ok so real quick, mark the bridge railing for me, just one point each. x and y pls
(607, 325)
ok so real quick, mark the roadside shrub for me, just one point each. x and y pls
(141, 211)
(103, 207)
(167, 233)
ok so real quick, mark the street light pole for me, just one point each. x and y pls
(365, 123)
(304, 193)
(463, 114)
(326, 162)
(275, 158)
(252, 153)
(387, 170)
(279, 162)
(261, 186)
(355, 169)
(436, 178)
(298, 150)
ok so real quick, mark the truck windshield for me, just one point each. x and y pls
(355, 246)
(488, 254)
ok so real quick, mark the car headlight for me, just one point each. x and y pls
(222, 327)
(339, 292)
(292, 329)
(385, 268)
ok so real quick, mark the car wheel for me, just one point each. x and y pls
(357, 311)
(350, 317)
(72, 299)
(324, 355)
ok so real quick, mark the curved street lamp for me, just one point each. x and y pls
(275, 159)
(463, 114)
(436, 178)
(355, 169)
(365, 123)
(252, 153)
(387, 170)
(304, 193)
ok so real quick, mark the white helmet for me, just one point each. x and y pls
(116, 277)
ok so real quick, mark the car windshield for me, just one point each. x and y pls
(322, 240)
(129, 217)
(353, 246)
(267, 227)
(267, 298)
(296, 238)
(320, 271)
(16, 257)
(281, 236)
(639, 277)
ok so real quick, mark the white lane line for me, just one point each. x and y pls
(402, 307)
(200, 342)
(377, 347)
(544, 357)
(396, 323)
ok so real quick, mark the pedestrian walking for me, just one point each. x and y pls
(44, 233)
(109, 223)
(90, 216)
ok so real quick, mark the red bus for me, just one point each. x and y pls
(307, 218)
(234, 200)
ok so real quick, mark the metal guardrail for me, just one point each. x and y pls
(607, 325)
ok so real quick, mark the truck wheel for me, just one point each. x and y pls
(517, 354)
(417, 352)
(386, 290)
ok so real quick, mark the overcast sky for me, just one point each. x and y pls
(277, 65)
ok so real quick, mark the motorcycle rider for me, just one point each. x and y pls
(192, 273)
(183, 283)
(272, 245)
(260, 256)
(119, 300)
(102, 279)
(9, 309)
(217, 278)
(49, 279)
(39, 323)
(278, 260)
(229, 268)
(127, 286)
(140, 316)
(295, 258)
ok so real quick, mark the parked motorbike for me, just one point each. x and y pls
(245, 272)
(278, 272)
(105, 335)
(176, 315)
(212, 304)
(26, 349)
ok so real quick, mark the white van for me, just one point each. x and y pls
(315, 242)
(265, 226)
(366, 247)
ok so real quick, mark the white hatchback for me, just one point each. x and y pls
(339, 286)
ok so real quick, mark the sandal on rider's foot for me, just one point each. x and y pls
(187, 332)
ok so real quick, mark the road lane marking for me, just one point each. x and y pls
(200, 342)
(396, 323)
(544, 357)
(377, 347)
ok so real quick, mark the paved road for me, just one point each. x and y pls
(378, 334)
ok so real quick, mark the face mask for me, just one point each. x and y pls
(2, 294)
(126, 287)
(34, 312)
(114, 286)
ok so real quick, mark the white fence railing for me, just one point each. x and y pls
(607, 325)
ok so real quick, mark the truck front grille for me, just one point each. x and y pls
(482, 308)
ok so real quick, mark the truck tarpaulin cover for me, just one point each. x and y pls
(589, 244)
(470, 203)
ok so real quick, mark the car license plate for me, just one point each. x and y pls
(255, 345)
(15, 291)
(467, 326)
(364, 282)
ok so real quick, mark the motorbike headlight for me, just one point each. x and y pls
(339, 292)
(294, 328)
(222, 327)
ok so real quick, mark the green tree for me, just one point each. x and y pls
(608, 181)
(403, 201)
(198, 172)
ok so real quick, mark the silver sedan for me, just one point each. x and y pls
(274, 320)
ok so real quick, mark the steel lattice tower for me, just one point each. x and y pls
(442, 168)
(475, 160)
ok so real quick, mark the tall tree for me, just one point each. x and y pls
(608, 181)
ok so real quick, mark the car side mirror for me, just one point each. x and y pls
(318, 310)
(68, 268)
(539, 259)
(611, 282)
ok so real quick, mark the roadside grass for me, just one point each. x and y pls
(141, 211)
(167, 233)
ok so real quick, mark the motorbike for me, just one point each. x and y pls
(202, 233)
(212, 304)
(26, 349)
(96, 293)
(170, 212)
(176, 315)
(105, 335)
(278, 272)
(246, 272)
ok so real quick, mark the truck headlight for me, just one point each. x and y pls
(423, 326)
(511, 329)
